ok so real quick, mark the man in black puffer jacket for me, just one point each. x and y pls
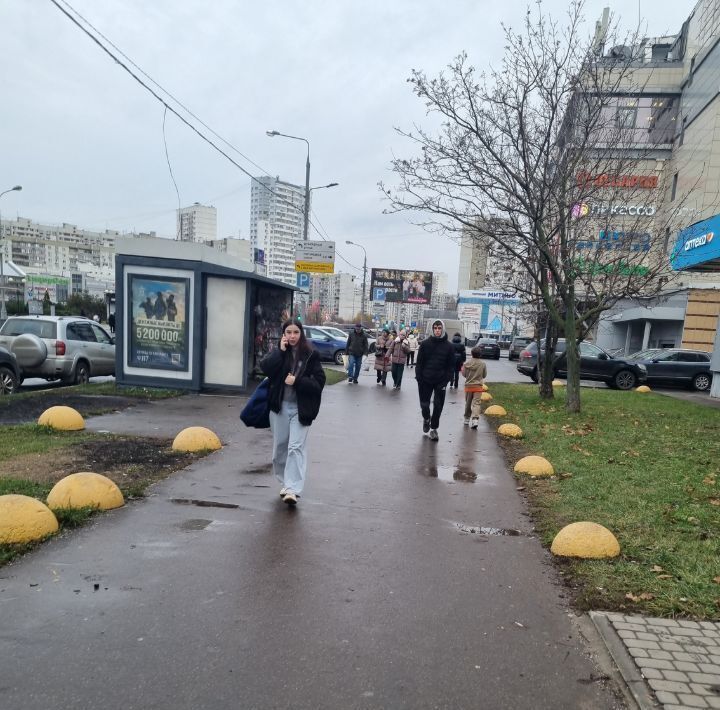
(434, 369)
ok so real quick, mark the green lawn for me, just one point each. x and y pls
(648, 468)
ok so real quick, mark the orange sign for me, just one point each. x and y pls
(645, 181)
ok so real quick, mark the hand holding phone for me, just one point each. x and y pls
(283, 343)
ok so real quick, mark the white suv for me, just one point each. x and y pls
(65, 348)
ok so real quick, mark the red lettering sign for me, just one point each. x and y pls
(648, 182)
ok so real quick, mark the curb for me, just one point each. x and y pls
(637, 689)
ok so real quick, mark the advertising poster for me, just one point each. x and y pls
(158, 322)
(398, 285)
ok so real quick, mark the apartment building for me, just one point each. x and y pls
(276, 224)
(197, 223)
(338, 294)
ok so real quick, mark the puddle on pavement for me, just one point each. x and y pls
(194, 524)
(203, 503)
(481, 530)
(452, 474)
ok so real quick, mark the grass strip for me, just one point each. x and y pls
(647, 467)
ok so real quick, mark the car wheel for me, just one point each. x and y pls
(534, 375)
(702, 381)
(624, 380)
(8, 382)
(339, 357)
(497, 357)
(82, 373)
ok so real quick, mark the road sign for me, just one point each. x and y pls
(303, 280)
(315, 257)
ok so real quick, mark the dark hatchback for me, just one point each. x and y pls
(9, 372)
(488, 348)
(689, 368)
(595, 364)
(517, 346)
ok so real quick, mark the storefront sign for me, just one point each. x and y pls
(698, 246)
(623, 241)
(158, 322)
(584, 209)
(585, 179)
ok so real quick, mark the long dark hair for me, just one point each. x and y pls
(303, 347)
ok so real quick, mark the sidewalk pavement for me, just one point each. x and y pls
(408, 577)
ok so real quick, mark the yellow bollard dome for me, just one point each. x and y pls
(486, 397)
(511, 430)
(196, 438)
(62, 418)
(587, 540)
(643, 389)
(24, 519)
(85, 489)
(535, 466)
(485, 388)
(558, 383)
(495, 410)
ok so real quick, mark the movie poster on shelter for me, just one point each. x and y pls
(398, 285)
(158, 322)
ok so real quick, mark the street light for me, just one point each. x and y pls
(3, 311)
(272, 134)
(362, 300)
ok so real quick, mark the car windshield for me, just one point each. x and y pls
(335, 333)
(487, 341)
(20, 326)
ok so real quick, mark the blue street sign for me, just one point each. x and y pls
(378, 294)
(303, 280)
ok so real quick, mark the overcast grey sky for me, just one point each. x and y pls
(85, 140)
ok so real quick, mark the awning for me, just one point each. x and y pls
(698, 247)
(10, 270)
(656, 313)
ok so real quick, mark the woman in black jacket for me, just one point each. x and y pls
(460, 356)
(296, 383)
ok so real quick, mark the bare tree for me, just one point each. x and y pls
(544, 158)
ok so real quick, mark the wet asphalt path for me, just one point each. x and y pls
(372, 594)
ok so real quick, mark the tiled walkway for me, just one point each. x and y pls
(678, 659)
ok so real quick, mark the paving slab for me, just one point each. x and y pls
(409, 576)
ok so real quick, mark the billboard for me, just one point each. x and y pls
(158, 322)
(401, 286)
(56, 287)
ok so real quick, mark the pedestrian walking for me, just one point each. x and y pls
(434, 369)
(414, 345)
(356, 347)
(111, 322)
(397, 354)
(296, 383)
(460, 357)
(381, 365)
(474, 371)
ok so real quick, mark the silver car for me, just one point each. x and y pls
(65, 348)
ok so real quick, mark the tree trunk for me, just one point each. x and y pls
(572, 355)
(546, 357)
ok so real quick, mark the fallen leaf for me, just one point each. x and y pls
(647, 596)
(632, 597)
(714, 501)
(664, 576)
(520, 488)
(716, 580)
(709, 480)
(657, 568)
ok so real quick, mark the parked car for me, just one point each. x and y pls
(65, 348)
(517, 346)
(488, 347)
(676, 366)
(595, 364)
(9, 372)
(328, 346)
(337, 333)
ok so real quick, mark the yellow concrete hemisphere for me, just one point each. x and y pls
(85, 489)
(495, 410)
(535, 466)
(24, 519)
(643, 389)
(486, 397)
(557, 383)
(196, 438)
(485, 388)
(62, 418)
(587, 540)
(511, 430)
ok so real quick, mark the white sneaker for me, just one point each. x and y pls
(466, 421)
(283, 492)
(290, 498)
(474, 423)
(434, 435)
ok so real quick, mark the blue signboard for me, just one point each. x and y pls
(698, 247)
(378, 294)
(303, 279)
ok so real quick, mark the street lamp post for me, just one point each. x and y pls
(307, 177)
(362, 299)
(3, 311)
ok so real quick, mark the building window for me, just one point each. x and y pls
(626, 114)
(673, 191)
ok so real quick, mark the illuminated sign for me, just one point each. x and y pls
(583, 209)
(585, 179)
(700, 241)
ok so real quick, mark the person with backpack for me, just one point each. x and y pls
(460, 357)
(294, 395)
